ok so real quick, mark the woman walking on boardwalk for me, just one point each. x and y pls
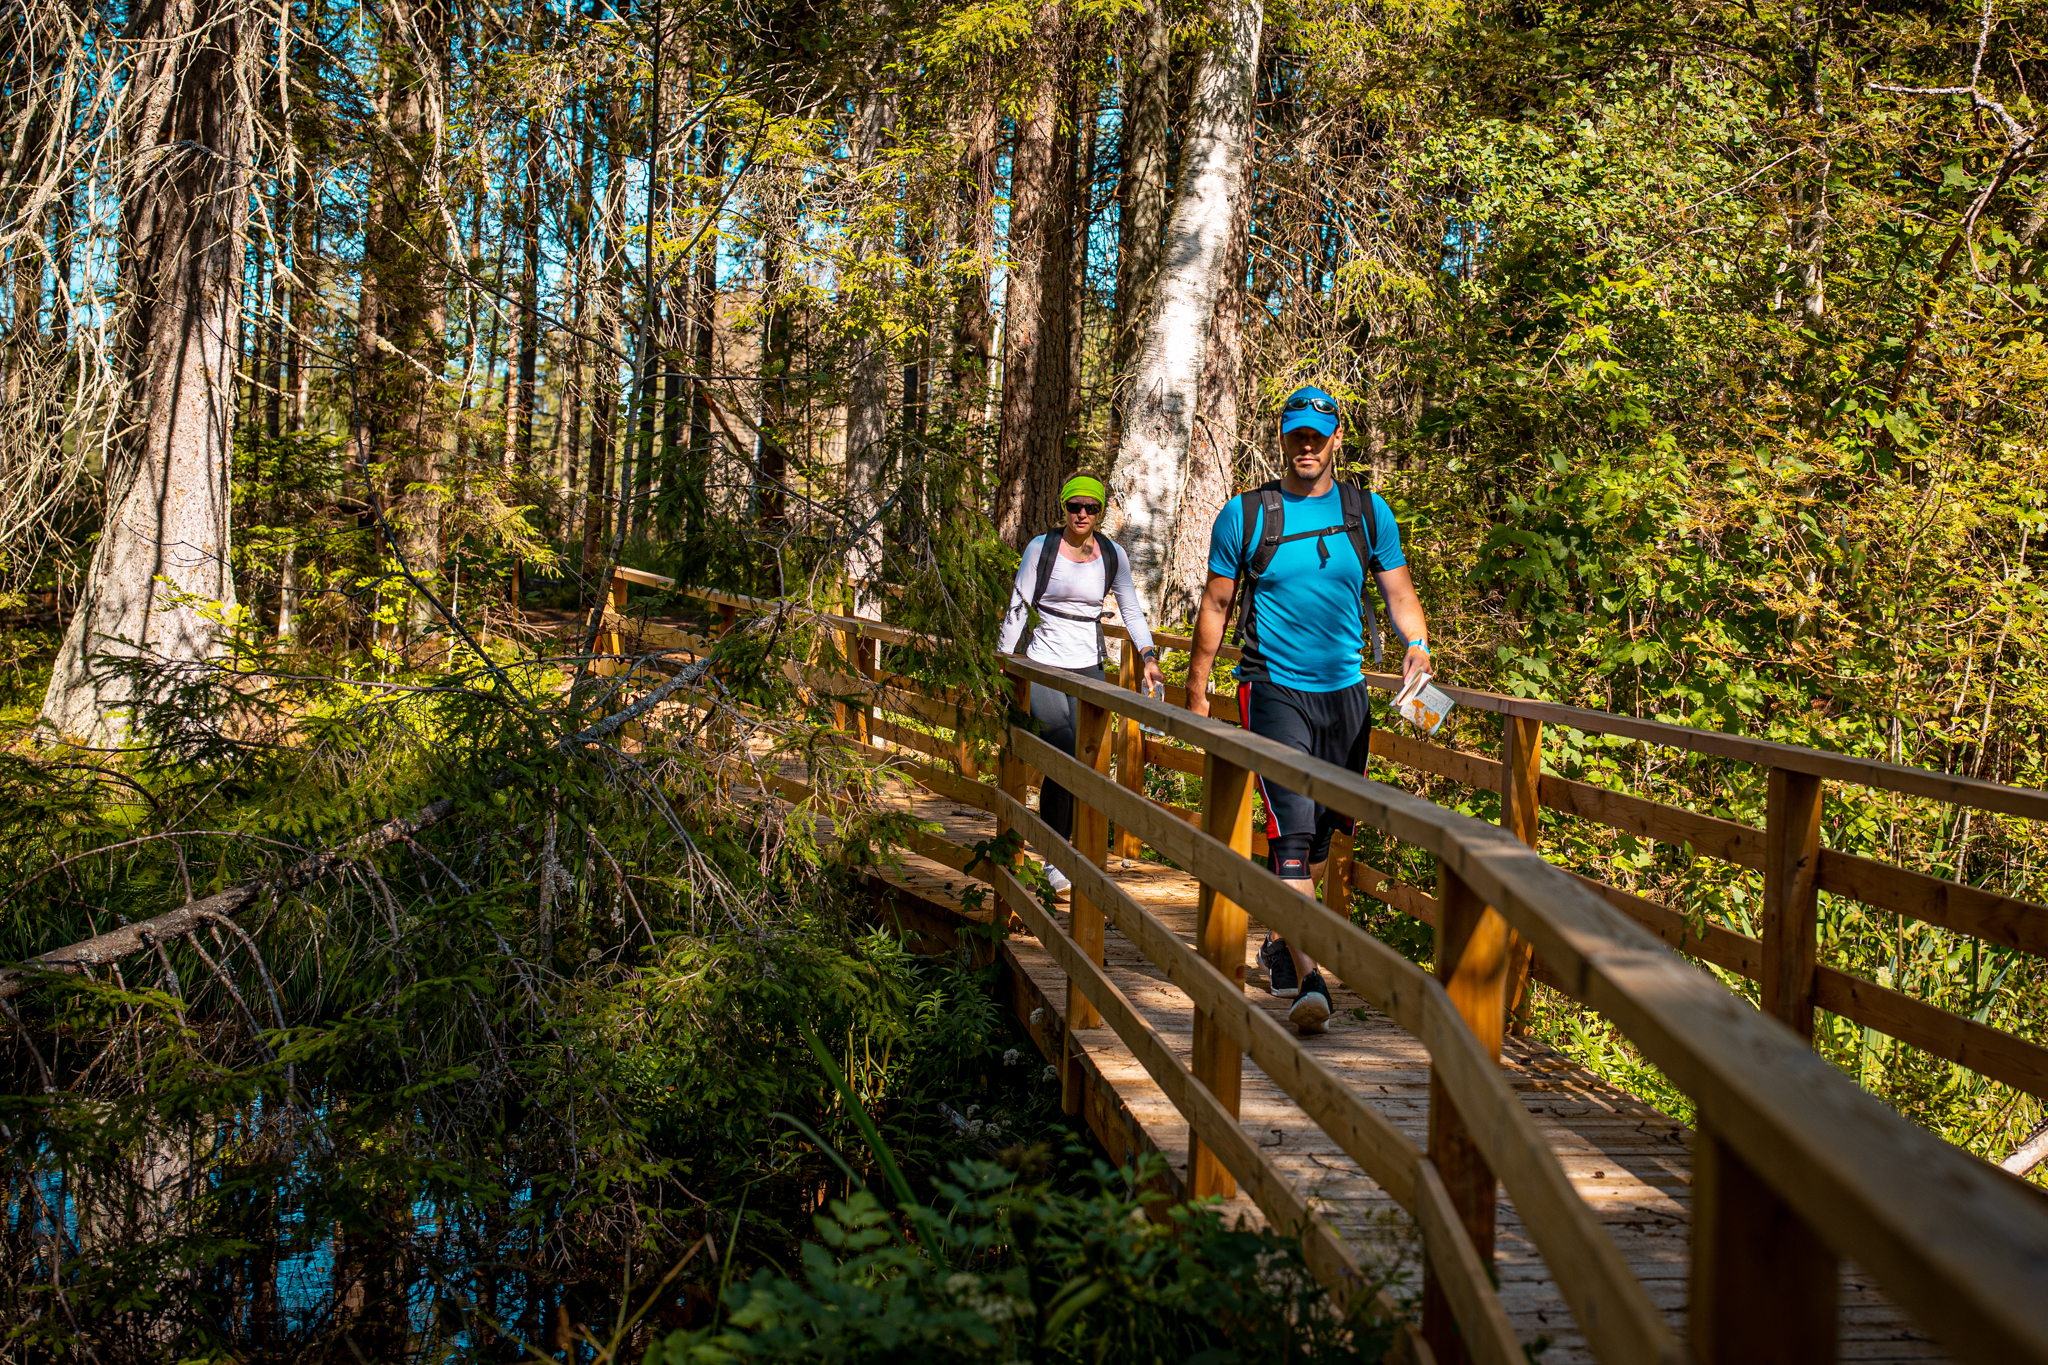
(1055, 618)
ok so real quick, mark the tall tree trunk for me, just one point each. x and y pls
(1141, 195)
(867, 403)
(184, 219)
(281, 301)
(1034, 401)
(1811, 242)
(529, 299)
(771, 453)
(704, 334)
(24, 333)
(579, 268)
(401, 393)
(604, 414)
(1212, 449)
(649, 344)
(305, 250)
(975, 231)
(1150, 475)
(1080, 184)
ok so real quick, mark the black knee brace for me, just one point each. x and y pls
(1288, 855)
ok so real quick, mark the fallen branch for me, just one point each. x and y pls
(175, 924)
(179, 923)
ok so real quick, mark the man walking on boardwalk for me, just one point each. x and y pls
(1294, 557)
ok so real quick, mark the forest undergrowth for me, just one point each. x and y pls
(610, 1062)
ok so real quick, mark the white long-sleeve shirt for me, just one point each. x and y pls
(1076, 589)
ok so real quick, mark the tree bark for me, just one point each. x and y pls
(1815, 166)
(184, 219)
(604, 411)
(771, 453)
(1141, 195)
(973, 323)
(406, 249)
(1030, 448)
(1212, 449)
(867, 403)
(520, 420)
(1149, 480)
(704, 334)
(579, 267)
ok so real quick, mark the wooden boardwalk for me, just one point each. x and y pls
(1629, 1161)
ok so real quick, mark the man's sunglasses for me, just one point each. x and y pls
(1322, 405)
(1085, 509)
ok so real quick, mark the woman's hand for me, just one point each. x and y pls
(1153, 677)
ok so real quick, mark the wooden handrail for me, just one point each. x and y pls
(1945, 1234)
(1950, 788)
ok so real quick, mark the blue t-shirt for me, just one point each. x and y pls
(1310, 628)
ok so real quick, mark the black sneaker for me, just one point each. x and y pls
(1279, 965)
(1312, 1007)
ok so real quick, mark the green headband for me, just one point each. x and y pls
(1086, 487)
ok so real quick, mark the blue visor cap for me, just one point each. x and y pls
(1309, 407)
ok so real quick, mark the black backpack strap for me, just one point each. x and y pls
(1353, 499)
(1254, 558)
(1109, 566)
(1272, 528)
(1048, 554)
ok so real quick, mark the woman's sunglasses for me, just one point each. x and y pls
(1085, 509)
(1322, 405)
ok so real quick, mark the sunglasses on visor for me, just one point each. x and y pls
(1322, 405)
(1084, 508)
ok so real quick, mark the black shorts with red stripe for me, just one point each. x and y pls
(1333, 726)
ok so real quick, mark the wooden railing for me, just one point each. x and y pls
(1794, 1166)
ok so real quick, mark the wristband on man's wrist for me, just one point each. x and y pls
(1422, 645)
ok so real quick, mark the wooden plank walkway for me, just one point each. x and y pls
(1630, 1162)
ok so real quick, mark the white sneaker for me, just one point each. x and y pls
(1062, 889)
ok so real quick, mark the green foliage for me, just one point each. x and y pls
(1039, 1274)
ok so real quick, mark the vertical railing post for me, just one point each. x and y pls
(1472, 964)
(842, 645)
(1013, 776)
(1337, 874)
(1764, 1287)
(1091, 841)
(1130, 746)
(1220, 926)
(1792, 811)
(608, 641)
(1521, 778)
(865, 653)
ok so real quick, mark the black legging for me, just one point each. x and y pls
(1055, 711)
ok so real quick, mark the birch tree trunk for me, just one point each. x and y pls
(162, 560)
(1212, 449)
(1150, 476)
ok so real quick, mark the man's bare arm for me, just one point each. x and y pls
(1404, 609)
(1210, 619)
